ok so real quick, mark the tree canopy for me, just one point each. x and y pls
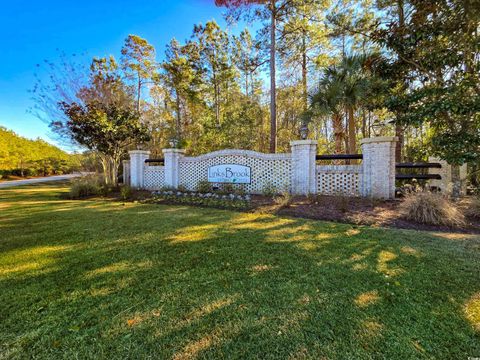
(348, 69)
(24, 157)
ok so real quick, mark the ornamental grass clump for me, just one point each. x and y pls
(473, 208)
(85, 186)
(284, 200)
(426, 207)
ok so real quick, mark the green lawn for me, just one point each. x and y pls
(102, 279)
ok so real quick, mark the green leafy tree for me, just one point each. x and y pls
(247, 59)
(438, 50)
(271, 13)
(303, 42)
(214, 46)
(139, 64)
(344, 88)
(24, 157)
(183, 80)
(328, 101)
(106, 120)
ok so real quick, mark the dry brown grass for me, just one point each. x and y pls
(426, 207)
(472, 208)
(284, 200)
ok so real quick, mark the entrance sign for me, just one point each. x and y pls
(229, 173)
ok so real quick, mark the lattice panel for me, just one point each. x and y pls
(339, 179)
(266, 169)
(154, 177)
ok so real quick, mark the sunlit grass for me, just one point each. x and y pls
(103, 279)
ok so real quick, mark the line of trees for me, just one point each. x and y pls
(20, 156)
(347, 69)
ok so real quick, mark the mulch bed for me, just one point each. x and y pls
(359, 211)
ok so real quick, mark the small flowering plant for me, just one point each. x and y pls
(209, 199)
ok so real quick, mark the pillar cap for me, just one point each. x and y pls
(303, 142)
(144, 152)
(379, 139)
(173, 151)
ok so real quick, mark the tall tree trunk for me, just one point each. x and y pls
(399, 133)
(217, 100)
(345, 132)
(139, 89)
(398, 127)
(115, 166)
(352, 133)
(179, 117)
(364, 124)
(21, 168)
(105, 167)
(304, 72)
(338, 132)
(273, 97)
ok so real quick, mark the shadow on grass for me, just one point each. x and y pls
(101, 279)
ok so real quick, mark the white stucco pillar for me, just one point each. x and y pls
(137, 167)
(303, 167)
(445, 184)
(172, 166)
(378, 180)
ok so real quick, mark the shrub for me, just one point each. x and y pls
(231, 201)
(182, 188)
(426, 207)
(284, 200)
(230, 188)
(126, 192)
(473, 208)
(239, 190)
(167, 188)
(106, 190)
(269, 190)
(227, 188)
(85, 186)
(204, 187)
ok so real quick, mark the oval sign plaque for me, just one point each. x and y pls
(229, 173)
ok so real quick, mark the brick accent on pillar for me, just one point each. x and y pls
(172, 166)
(137, 167)
(304, 180)
(378, 178)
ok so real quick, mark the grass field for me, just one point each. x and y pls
(102, 279)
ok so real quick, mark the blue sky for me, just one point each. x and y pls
(32, 31)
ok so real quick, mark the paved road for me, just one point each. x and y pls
(38, 180)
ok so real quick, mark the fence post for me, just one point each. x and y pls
(172, 166)
(445, 184)
(378, 178)
(304, 180)
(126, 172)
(137, 167)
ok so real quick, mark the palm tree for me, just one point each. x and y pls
(328, 101)
(342, 89)
(355, 87)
